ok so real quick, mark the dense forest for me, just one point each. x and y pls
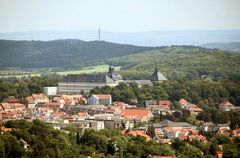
(44, 141)
(204, 93)
(181, 62)
(25, 86)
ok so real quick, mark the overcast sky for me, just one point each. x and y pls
(118, 15)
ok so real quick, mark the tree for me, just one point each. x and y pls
(191, 151)
(151, 131)
(78, 138)
(123, 125)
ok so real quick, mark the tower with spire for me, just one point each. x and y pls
(157, 76)
(112, 74)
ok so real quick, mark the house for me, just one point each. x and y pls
(100, 99)
(12, 106)
(182, 102)
(155, 156)
(5, 130)
(226, 106)
(113, 124)
(55, 105)
(40, 98)
(192, 108)
(50, 90)
(165, 103)
(168, 103)
(158, 131)
(235, 132)
(158, 110)
(207, 127)
(142, 114)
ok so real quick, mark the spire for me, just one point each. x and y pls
(157, 75)
(111, 68)
(156, 68)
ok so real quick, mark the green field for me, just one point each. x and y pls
(87, 70)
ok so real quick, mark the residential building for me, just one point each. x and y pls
(142, 114)
(50, 90)
(100, 99)
(226, 106)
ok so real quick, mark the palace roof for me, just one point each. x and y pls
(99, 78)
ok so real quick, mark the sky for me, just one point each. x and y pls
(118, 15)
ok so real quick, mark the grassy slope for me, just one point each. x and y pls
(87, 70)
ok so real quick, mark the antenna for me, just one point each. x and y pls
(99, 33)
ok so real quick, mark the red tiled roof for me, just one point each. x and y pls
(53, 104)
(138, 113)
(103, 96)
(182, 101)
(165, 102)
(227, 103)
(12, 105)
(29, 99)
(39, 96)
(4, 129)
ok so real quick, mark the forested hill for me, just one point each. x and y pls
(181, 62)
(61, 53)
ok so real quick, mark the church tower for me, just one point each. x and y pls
(112, 74)
(157, 76)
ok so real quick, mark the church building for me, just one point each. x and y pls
(84, 83)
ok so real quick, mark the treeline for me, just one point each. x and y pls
(44, 141)
(203, 93)
(25, 86)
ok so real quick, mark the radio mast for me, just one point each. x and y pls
(99, 33)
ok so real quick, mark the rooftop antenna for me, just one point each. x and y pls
(99, 33)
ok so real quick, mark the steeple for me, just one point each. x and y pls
(111, 69)
(156, 68)
(157, 75)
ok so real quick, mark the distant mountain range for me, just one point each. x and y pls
(150, 38)
(233, 46)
